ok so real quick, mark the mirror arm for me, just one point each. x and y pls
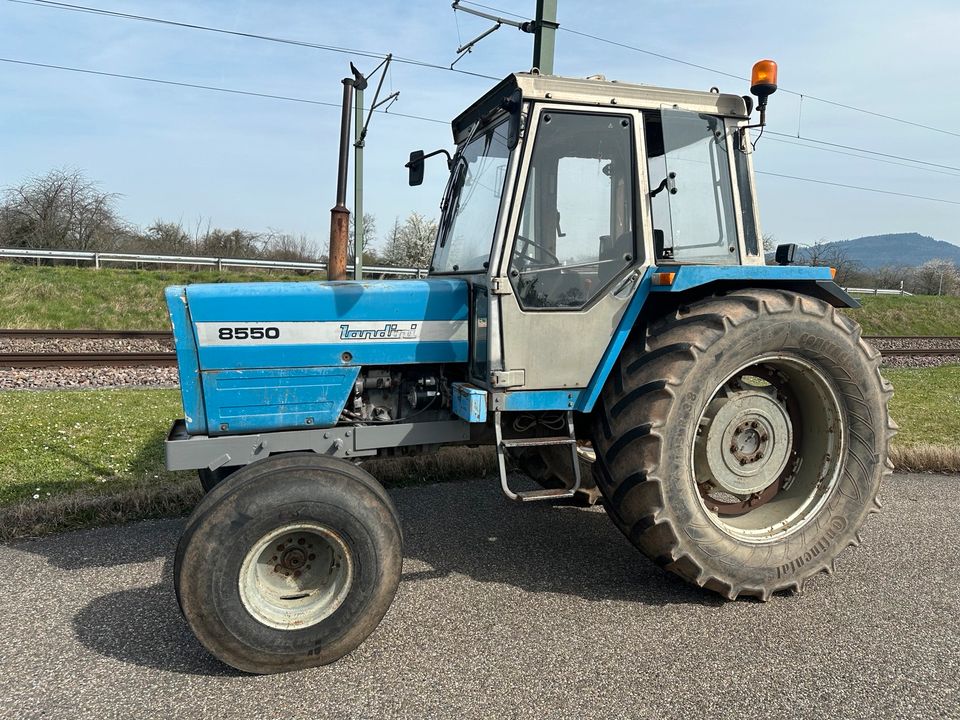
(436, 152)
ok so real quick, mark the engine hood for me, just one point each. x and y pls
(340, 324)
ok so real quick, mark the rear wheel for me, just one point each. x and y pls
(741, 443)
(292, 562)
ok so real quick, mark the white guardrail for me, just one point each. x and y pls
(98, 258)
(878, 291)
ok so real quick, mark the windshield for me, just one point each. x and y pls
(473, 203)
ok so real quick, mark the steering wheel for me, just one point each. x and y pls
(522, 252)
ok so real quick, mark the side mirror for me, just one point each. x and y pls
(416, 168)
(786, 253)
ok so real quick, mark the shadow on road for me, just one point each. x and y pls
(456, 528)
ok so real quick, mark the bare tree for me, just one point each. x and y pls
(369, 234)
(62, 210)
(410, 244)
(832, 255)
(165, 238)
(233, 244)
(277, 245)
(769, 243)
(936, 277)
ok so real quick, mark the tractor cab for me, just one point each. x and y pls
(564, 193)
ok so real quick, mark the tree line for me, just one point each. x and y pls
(65, 210)
(933, 277)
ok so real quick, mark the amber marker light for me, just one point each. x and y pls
(763, 84)
(663, 278)
(763, 79)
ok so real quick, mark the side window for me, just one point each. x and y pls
(691, 188)
(577, 224)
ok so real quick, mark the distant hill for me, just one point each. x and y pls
(876, 251)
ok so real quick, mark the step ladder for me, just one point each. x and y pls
(569, 439)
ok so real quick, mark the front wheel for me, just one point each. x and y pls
(742, 442)
(289, 563)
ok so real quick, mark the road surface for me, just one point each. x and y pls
(508, 611)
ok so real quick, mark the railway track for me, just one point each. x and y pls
(168, 359)
(106, 359)
(86, 334)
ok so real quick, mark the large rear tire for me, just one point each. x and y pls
(741, 441)
(289, 563)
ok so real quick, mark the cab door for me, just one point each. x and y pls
(575, 247)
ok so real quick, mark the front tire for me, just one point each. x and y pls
(290, 563)
(742, 441)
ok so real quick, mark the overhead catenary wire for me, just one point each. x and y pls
(717, 71)
(212, 88)
(834, 151)
(289, 98)
(856, 187)
(55, 5)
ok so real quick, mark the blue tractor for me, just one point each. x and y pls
(598, 309)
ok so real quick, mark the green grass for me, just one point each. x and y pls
(926, 405)
(106, 299)
(72, 459)
(58, 442)
(917, 315)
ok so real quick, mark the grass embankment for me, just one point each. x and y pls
(95, 457)
(66, 298)
(916, 315)
(926, 405)
(76, 459)
(78, 298)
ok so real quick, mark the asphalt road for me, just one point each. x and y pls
(508, 611)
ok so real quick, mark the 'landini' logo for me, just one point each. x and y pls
(390, 331)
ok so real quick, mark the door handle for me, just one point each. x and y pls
(627, 286)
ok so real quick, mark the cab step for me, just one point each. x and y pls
(569, 439)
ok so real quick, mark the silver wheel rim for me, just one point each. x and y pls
(769, 448)
(296, 576)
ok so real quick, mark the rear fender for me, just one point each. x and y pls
(690, 283)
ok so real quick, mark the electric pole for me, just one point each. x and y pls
(339, 214)
(359, 140)
(543, 29)
(544, 36)
(358, 175)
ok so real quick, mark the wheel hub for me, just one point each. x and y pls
(745, 441)
(296, 576)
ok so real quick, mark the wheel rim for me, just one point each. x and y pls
(296, 576)
(769, 448)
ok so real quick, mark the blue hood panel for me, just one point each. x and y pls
(256, 357)
(309, 324)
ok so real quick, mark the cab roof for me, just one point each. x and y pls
(597, 92)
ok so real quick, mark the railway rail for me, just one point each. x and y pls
(168, 359)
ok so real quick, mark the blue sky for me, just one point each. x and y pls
(185, 154)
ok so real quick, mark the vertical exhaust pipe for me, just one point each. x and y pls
(339, 215)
